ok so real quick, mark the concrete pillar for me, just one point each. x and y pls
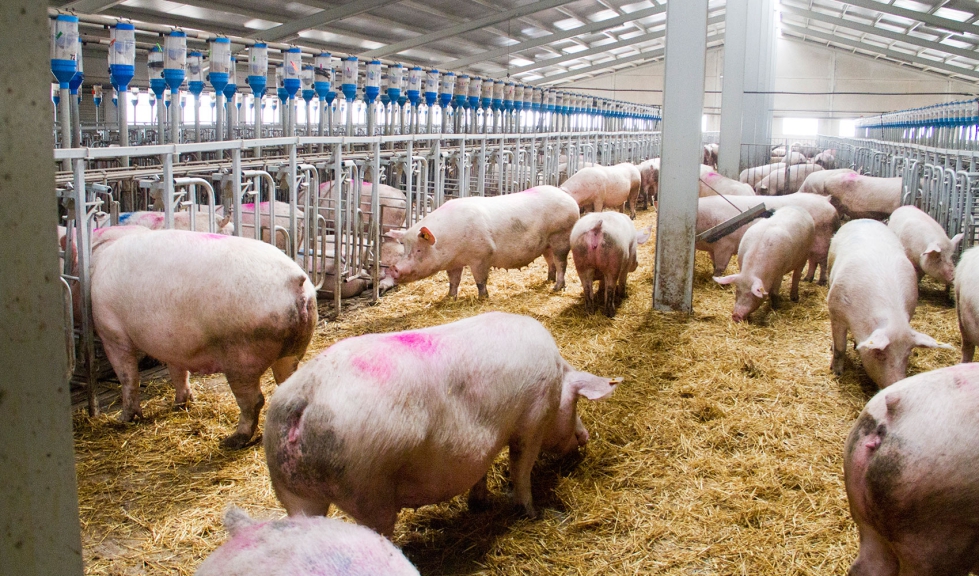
(683, 104)
(758, 78)
(39, 529)
(732, 89)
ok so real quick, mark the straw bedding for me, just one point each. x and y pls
(721, 452)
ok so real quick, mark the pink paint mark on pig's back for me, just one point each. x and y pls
(421, 344)
(215, 236)
(852, 176)
(374, 365)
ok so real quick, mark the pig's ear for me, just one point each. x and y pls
(926, 341)
(878, 340)
(642, 237)
(426, 235)
(932, 248)
(758, 288)
(590, 386)
(236, 519)
(955, 241)
(395, 234)
(724, 280)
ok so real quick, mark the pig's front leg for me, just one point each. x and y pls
(523, 454)
(796, 277)
(455, 277)
(839, 344)
(181, 384)
(126, 367)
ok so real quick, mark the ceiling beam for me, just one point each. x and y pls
(928, 19)
(907, 39)
(504, 50)
(599, 49)
(647, 55)
(464, 27)
(292, 28)
(899, 56)
(90, 6)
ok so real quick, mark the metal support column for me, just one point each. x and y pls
(732, 90)
(39, 501)
(757, 118)
(683, 106)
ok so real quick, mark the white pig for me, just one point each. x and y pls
(781, 182)
(769, 250)
(597, 187)
(605, 242)
(381, 422)
(873, 291)
(752, 176)
(815, 183)
(282, 223)
(201, 303)
(181, 221)
(711, 183)
(508, 231)
(302, 546)
(713, 211)
(925, 243)
(649, 179)
(911, 478)
(857, 196)
(967, 301)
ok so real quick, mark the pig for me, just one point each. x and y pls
(508, 231)
(925, 243)
(381, 422)
(856, 196)
(826, 160)
(815, 183)
(605, 242)
(713, 211)
(967, 301)
(873, 292)
(769, 250)
(393, 203)
(181, 221)
(596, 187)
(562, 170)
(785, 181)
(794, 157)
(649, 180)
(712, 183)
(259, 312)
(302, 546)
(282, 211)
(909, 466)
(752, 176)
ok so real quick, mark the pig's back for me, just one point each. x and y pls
(397, 406)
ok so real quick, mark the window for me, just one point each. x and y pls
(800, 126)
(848, 128)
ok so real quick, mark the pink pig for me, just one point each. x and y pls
(596, 187)
(925, 243)
(302, 546)
(911, 478)
(508, 231)
(201, 303)
(770, 249)
(605, 242)
(858, 196)
(873, 291)
(381, 422)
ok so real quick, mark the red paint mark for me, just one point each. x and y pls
(377, 367)
(852, 176)
(533, 190)
(156, 217)
(421, 344)
(251, 206)
(215, 236)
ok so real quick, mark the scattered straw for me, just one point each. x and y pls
(719, 454)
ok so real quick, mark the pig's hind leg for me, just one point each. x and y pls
(560, 246)
(796, 277)
(455, 278)
(284, 367)
(481, 276)
(479, 495)
(248, 394)
(126, 366)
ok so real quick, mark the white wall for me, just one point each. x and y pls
(800, 67)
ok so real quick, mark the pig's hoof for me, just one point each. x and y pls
(558, 288)
(794, 298)
(236, 441)
(527, 510)
(131, 415)
(181, 406)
